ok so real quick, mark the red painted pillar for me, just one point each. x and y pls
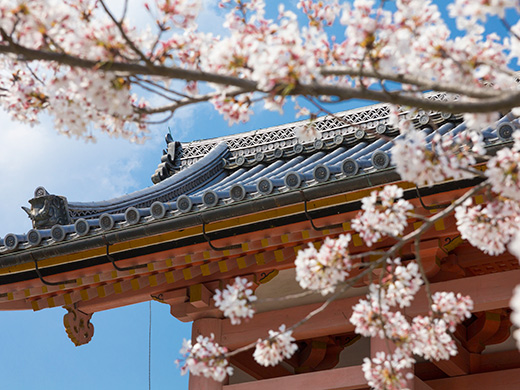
(205, 326)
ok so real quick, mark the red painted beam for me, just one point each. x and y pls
(346, 378)
(492, 291)
(505, 379)
(487, 291)
(456, 365)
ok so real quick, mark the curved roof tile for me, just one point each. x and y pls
(208, 182)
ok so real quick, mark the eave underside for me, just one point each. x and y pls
(181, 269)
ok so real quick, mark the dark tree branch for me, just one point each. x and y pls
(411, 80)
(504, 101)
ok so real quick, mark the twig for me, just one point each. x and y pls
(418, 260)
(410, 79)
(119, 25)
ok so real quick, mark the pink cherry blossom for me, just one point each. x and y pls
(386, 371)
(503, 173)
(452, 308)
(446, 157)
(383, 214)
(236, 300)
(488, 227)
(323, 270)
(205, 358)
(278, 346)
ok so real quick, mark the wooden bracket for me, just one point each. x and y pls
(77, 325)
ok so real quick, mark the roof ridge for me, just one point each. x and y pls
(345, 123)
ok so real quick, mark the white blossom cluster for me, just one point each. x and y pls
(205, 358)
(451, 308)
(477, 121)
(425, 336)
(180, 13)
(402, 283)
(273, 350)
(488, 227)
(277, 55)
(446, 157)
(504, 172)
(77, 97)
(514, 304)
(384, 213)
(373, 316)
(307, 132)
(234, 110)
(385, 371)
(431, 340)
(469, 13)
(322, 270)
(235, 300)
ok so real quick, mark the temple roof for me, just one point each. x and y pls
(240, 174)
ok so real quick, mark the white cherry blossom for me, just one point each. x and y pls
(401, 284)
(205, 358)
(383, 214)
(280, 345)
(322, 270)
(446, 157)
(481, 121)
(387, 371)
(307, 132)
(452, 308)
(514, 303)
(488, 227)
(431, 339)
(236, 300)
(503, 173)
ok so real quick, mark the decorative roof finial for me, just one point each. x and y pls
(47, 210)
(170, 160)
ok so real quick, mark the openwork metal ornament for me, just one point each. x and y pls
(275, 140)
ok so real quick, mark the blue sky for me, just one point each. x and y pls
(36, 352)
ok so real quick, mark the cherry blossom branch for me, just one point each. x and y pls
(316, 311)
(410, 79)
(157, 85)
(310, 292)
(149, 89)
(434, 218)
(418, 260)
(119, 25)
(125, 9)
(287, 297)
(27, 54)
(504, 101)
(187, 101)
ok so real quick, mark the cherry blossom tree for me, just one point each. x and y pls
(88, 68)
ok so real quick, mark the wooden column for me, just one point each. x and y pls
(205, 327)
